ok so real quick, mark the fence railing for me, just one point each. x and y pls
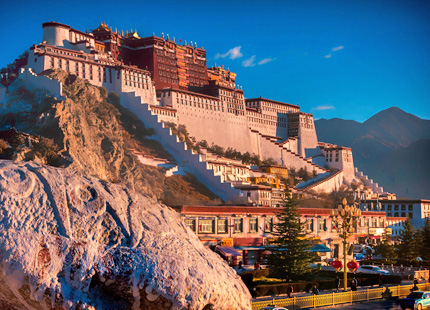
(340, 298)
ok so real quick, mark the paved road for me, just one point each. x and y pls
(375, 305)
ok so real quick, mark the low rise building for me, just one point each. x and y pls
(418, 210)
(248, 229)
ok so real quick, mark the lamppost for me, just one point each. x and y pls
(345, 217)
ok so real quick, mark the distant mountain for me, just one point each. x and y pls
(392, 147)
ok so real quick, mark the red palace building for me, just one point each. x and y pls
(171, 64)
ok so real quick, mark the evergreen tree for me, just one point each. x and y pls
(425, 241)
(290, 258)
(407, 248)
(386, 249)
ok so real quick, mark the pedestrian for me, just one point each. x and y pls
(415, 287)
(257, 266)
(240, 265)
(289, 290)
(354, 284)
(380, 280)
(337, 283)
(315, 290)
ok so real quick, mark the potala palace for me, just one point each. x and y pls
(162, 80)
(166, 83)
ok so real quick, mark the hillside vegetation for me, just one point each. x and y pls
(97, 136)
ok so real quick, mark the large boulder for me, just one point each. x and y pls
(70, 242)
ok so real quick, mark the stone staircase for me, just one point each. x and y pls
(187, 160)
(288, 158)
(368, 182)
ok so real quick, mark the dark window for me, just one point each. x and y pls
(191, 223)
(309, 225)
(253, 224)
(389, 207)
(222, 226)
(268, 224)
(206, 226)
(410, 207)
(238, 225)
(396, 207)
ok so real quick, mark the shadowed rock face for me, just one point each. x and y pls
(78, 243)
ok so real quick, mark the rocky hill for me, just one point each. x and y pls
(97, 136)
(389, 147)
(72, 242)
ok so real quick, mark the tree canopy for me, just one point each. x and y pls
(290, 258)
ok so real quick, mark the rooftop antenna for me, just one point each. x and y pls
(174, 39)
(162, 35)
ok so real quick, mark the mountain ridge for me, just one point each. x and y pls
(378, 139)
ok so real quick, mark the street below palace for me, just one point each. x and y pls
(374, 305)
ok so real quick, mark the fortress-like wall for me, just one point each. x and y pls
(326, 183)
(32, 82)
(369, 182)
(185, 158)
(208, 118)
(96, 69)
(286, 157)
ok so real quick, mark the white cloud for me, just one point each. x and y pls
(265, 61)
(337, 48)
(334, 49)
(249, 62)
(233, 53)
(324, 107)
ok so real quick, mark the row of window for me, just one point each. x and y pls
(389, 207)
(402, 214)
(221, 225)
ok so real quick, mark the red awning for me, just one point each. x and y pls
(228, 251)
(375, 237)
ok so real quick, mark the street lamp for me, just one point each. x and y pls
(345, 218)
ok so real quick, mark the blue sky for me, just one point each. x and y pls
(347, 59)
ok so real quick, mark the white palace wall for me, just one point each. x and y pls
(32, 82)
(206, 118)
(186, 159)
(114, 78)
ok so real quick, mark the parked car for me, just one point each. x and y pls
(269, 307)
(358, 256)
(416, 300)
(372, 270)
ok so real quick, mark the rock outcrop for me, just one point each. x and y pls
(71, 242)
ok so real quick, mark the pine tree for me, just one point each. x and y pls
(425, 241)
(386, 249)
(407, 248)
(290, 258)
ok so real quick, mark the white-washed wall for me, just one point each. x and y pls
(286, 157)
(369, 182)
(327, 183)
(210, 121)
(188, 161)
(32, 81)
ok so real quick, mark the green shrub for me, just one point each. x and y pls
(46, 149)
(3, 146)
